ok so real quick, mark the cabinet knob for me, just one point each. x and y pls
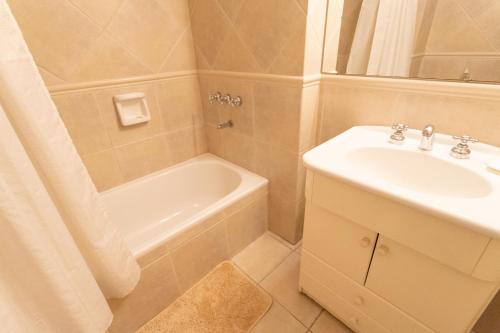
(354, 320)
(359, 300)
(365, 242)
(383, 250)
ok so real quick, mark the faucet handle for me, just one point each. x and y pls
(462, 150)
(465, 139)
(399, 127)
(398, 137)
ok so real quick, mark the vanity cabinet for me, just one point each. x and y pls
(381, 266)
(340, 243)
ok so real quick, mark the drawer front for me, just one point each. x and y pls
(334, 304)
(393, 319)
(342, 244)
(445, 242)
(440, 297)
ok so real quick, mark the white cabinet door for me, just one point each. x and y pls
(442, 298)
(342, 244)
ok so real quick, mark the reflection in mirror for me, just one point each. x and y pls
(429, 39)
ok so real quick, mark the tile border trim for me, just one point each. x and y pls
(458, 89)
(93, 85)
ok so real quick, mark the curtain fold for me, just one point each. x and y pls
(60, 255)
(384, 38)
(45, 285)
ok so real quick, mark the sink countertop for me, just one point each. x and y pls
(364, 157)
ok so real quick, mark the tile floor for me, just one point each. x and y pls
(274, 265)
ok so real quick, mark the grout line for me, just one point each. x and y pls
(276, 267)
(316, 319)
(236, 32)
(174, 47)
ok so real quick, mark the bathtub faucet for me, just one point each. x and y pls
(227, 124)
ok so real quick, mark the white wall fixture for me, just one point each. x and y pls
(132, 108)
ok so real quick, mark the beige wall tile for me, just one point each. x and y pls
(142, 37)
(289, 60)
(182, 57)
(141, 158)
(179, 103)
(280, 167)
(231, 8)
(155, 291)
(181, 145)
(120, 134)
(266, 30)
(261, 257)
(283, 283)
(210, 25)
(56, 41)
(214, 139)
(207, 250)
(246, 225)
(284, 219)
(234, 56)
(49, 78)
(239, 149)
(106, 60)
(98, 10)
(82, 119)
(277, 114)
(160, 28)
(209, 85)
(201, 141)
(344, 107)
(103, 169)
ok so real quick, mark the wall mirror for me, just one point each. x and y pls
(455, 40)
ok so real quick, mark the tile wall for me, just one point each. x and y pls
(273, 127)
(91, 40)
(102, 44)
(347, 105)
(114, 154)
(276, 122)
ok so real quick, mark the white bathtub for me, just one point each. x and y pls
(152, 209)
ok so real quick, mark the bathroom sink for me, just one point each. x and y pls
(418, 172)
(463, 191)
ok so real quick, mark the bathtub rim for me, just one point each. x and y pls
(250, 182)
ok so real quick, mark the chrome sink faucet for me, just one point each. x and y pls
(427, 140)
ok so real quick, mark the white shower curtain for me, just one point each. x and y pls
(60, 255)
(384, 38)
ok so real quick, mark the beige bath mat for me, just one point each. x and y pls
(223, 301)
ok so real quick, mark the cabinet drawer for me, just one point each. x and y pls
(438, 296)
(445, 242)
(353, 318)
(342, 244)
(359, 297)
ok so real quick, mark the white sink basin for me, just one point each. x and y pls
(463, 191)
(419, 172)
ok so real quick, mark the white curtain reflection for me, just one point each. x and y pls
(384, 38)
